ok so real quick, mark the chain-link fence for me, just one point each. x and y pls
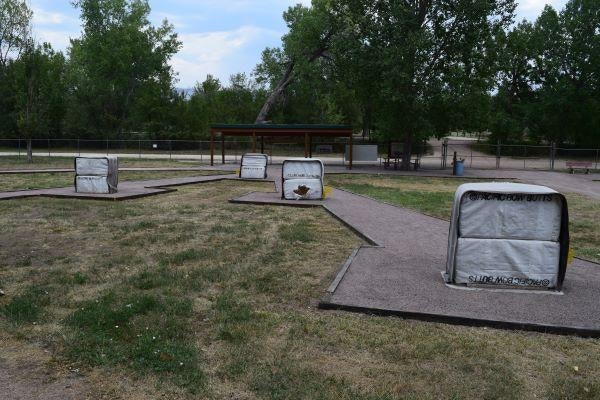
(432, 155)
(532, 157)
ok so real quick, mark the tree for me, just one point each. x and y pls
(119, 54)
(567, 73)
(431, 55)
(39, 92)
(402, 59)
(15, 26)
(515, 83)
(310, 32)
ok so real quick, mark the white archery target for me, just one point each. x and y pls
(528, 263)
(293, 189)
(302, 169)
(510, 216)
(303, 179)
(96, 174)
(101, 166)
(92, 184)
(507, 234)
(253, 166)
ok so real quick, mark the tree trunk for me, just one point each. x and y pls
(29, 152)
(284, 82)
(407, 151)
(366, 128)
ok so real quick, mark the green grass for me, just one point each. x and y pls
(27, 306)
(187, 296)
(11, 182)
(434, 196)
(140, 331)
(15, 162)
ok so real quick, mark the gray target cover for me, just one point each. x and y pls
(508, 234)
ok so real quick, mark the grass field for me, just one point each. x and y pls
(434, 196)
(185, 295)
(14, 162)
(10, 182)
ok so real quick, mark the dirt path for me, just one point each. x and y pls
(27, 373)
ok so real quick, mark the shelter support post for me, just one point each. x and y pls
(310, 146)
(254, 142)
(306, 138)
(351, 151)
(262, 145)
(222, 147)
(212, 147)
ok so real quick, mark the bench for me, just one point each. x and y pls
(396, 161)
(573, 165)
(324, 148)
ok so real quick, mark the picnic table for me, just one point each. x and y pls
(395, 160)
(573, 165)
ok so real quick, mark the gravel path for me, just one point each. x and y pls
(401, 274)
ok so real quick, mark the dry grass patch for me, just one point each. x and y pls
(12, 182)
(136, 288)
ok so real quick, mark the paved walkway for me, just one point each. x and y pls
(400, 274)
(127, 190)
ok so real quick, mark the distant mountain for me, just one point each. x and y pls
(186, 92)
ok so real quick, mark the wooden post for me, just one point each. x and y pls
(351, 150)
(262, 145)
(254, 141)
(212, 147)
(306, 145)
(222, 147)
(310, 146)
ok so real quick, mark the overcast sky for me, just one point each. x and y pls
(220, 37)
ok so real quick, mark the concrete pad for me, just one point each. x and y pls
(274, 198)
(127, 190)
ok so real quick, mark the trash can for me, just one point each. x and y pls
(460, 167)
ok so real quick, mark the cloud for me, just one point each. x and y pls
(59, 39)
(220, 53)
(531, 9)
(43, 17)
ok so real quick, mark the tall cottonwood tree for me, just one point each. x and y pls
(308, 40)
(403, 58)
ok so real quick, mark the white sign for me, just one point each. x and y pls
(362, 152)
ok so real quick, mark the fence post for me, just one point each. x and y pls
(19, 156)
(78, 148)
(200, 149)
(471, 165)
(48, 148)
(444, 153)
(170, 150)
(106, 146)
(597, 153)
(139, 148)
(498, 155)
(552, 155)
